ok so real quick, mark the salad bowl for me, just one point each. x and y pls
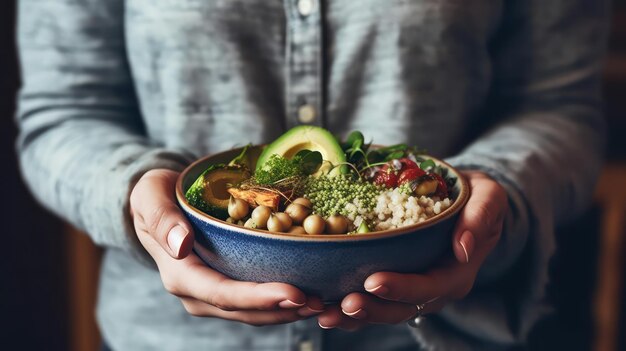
(328, 266)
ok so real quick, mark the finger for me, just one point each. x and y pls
(190, 277)
(154, 210)
(333, 317)
(256, 318)
(314, 306)
(480, 221)
(374, 310)
(452, 280)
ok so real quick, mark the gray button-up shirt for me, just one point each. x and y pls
(114, 88)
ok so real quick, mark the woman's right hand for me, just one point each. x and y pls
(167, 236)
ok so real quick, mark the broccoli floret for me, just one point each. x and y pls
(278, 168)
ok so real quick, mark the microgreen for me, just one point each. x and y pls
(241, 158)
(426, 165)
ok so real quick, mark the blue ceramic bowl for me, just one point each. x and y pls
(328, 266)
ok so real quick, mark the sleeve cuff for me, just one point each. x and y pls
(108, 219)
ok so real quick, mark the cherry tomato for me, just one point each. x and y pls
(407, 164)
(386, 177)
(410, 174)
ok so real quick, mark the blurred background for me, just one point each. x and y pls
(49, 270)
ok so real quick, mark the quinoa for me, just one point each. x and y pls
(395, 209)
(360, 201)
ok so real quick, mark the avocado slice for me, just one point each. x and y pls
(209, 192)
(307, 138)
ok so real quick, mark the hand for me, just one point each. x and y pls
(167, 236)
(393, 297)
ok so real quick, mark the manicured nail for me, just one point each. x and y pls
(322, 326)
(307, 311)
(175, 239)
(378, 290)
(358, 314)
(466, 240)
(290, 304)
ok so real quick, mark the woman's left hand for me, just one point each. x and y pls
(394, 298)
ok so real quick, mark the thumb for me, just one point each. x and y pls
(154, 210)
(480, 222)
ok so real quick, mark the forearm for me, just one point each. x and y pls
(548, 162)
(545, 148)
(81, 143)
(84, 172)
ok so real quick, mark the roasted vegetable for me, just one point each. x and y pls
(257, 197)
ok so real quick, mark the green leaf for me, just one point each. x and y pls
(241, 158)
(394, 155)
(427, 164)
(355, 138)
(393, 148)
(354, 152)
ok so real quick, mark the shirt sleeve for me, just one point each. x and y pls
(81, 141)
(545, 147)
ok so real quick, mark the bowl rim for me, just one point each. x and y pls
(458, 204)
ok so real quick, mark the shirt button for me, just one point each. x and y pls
(306, 113)
(305, 7)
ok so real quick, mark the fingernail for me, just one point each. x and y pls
(358, 314)
(175, 239)
(466, 243)
(322, 326)
(290, 304)
(307, 311)
(378, 290)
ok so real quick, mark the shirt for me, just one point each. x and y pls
(114, 88)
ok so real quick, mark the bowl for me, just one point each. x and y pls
(328, 266)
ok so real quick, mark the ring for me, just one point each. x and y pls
(418, 317)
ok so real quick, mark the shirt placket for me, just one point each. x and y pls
(304, 103)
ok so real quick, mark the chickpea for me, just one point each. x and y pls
(285, 220)
(237, 208)
(296, 229)
(274, 224)
(297, 212)
(314, 224)
(303, 201)
(260, 215)
(337, 224)
(250, 224)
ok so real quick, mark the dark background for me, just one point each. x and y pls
(32, 295)
(46, 304)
